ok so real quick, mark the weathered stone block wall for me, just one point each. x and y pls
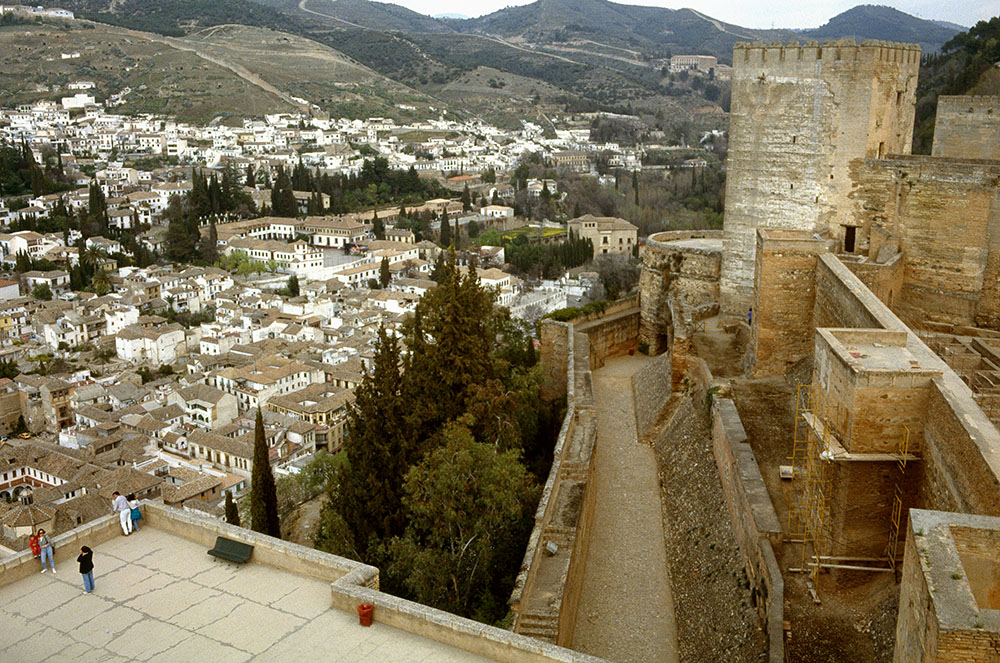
(800, 115)
(554, 339)
(967, 127)
(755, 522)
(651, 388)
(885, 280)
(961, 453)
(678, 284)
(842, 300)
(613, 335)
(784, 292)
(945, 214)
(916, 625)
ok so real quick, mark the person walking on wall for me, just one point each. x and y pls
(135, 515)
(120, 506)
(45, 543)
(86, 560)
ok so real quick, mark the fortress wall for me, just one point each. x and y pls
(959, 467)
(547, 589)
(613, 335)
(800, 115)
(885, 280)
(651, 388)
(754, 520)
(784, 292)
(967, 127)
(678, 284)
(945, 213)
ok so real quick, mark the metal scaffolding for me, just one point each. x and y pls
(891, 549)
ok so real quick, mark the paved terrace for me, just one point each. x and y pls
(159, 597)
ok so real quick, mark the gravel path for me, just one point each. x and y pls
(625, 612)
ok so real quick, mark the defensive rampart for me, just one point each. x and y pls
(967, 127)
(547, 589)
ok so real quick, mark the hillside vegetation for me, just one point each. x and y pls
(967, 65)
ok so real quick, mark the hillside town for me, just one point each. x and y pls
(124, 370)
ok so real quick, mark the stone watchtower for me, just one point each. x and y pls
(800, 116)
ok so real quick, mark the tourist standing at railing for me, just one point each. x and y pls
(45, 543)
(121, 507)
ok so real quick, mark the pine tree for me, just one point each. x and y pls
(383, 272)
(232, 512)
(263, 494)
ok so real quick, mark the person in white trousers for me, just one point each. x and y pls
(120, 505)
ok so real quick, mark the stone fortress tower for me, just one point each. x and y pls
(801, 114)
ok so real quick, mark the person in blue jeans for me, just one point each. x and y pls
(86, 560)
(46, 545)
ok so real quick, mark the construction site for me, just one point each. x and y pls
(822, 391)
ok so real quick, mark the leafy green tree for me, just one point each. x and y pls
(384, 276)
(232, 512)
(462, 501)
(263, 495)
(42, 291)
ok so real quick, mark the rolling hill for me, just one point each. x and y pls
(877, 22)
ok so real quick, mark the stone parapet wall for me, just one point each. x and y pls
(754, 520)
(612, 335)
(967, 127)
(547, 589)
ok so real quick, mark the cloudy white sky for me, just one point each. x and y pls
(757, 14)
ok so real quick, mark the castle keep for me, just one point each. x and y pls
(800, 115)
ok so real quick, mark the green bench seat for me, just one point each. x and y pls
(230, 550)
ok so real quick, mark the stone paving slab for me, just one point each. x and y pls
(161, 598)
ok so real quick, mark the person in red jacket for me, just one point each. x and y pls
(36, 550)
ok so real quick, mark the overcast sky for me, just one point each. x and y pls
(757, 14)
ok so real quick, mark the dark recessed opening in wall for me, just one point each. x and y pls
(849, 239)
(881, 150)
(899, 98)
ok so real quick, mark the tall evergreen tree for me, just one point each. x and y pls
(466, 199)
(232, 512)
(445, 231)
(379, 451)
(263, 494)
(210, 244)
(384, 276)
(293, 286)
(250, 180)
(378, 225)
(635, 185)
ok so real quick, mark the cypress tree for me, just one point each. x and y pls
(466, 199)
(378, 225)
(251, 180)
(383, 272)
(635, 185)
(232, 513)
(445, 231)
(263, 494)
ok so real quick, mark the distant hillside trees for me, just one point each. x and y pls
(374, 186)
(20, 174)
(548, 260)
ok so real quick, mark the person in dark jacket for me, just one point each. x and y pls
(86, 560)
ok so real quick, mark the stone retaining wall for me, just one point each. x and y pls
(755, 522)
(651, 388)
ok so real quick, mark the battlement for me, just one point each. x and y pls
(870, 50)
(963, 103)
